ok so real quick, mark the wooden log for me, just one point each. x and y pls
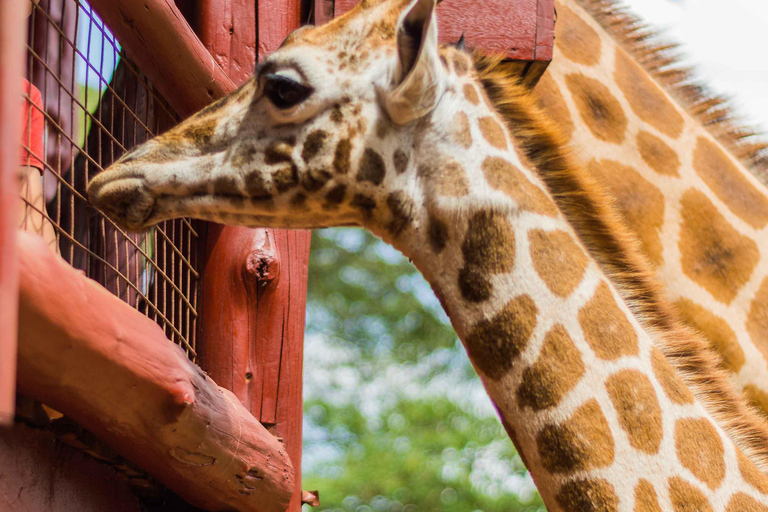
(112, 370)
(12, 30)
(159, 40)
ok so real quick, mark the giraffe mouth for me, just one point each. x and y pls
(125, 200)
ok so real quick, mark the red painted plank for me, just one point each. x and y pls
(12, 30)
(492, 26)
(545, 29)
(277, 19)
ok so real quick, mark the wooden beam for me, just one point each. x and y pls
(159, 40)
(12, 30)
(112, 370)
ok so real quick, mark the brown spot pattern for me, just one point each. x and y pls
(285, 178)
(489, 247)
(493, 344)
(657, 154)
(336, 194)
(493, 132)
(372, 167)
(461, 133)
(460, 63)
(341, 157)
(364, 203)
(714, 254)
(576, 40)
(400, 160)
(731, 186)
(401, 209)
(505, 177)
(670, 381)
(600, 111)
(278, 152)
(606, 327)
(447, 178)
(741, 502)
(700, 450)
(313, 145)
(551, 100)
(586, 495)
(751, 474)
(645, 497)
(640, 203)
(582, 442)
(438, 234)
(489, 243)
(315, 179)
(556, 371)
(200, 134)
(255, 185)
(638, 409)
(474, 284)
(687, 498)
(716, 330)
(471, 94)
(645, 97)
(558, 260)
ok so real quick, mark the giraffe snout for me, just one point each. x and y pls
(124, 199)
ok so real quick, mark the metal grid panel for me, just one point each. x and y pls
(96, 105)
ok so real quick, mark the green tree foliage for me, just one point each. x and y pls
(396, 419)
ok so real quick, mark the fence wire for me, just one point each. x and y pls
(95, 105)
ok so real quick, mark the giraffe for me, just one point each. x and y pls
(368, 122)
(678, 168)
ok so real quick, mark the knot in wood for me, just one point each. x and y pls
(262, 265)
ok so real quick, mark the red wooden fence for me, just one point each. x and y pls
(12, 30)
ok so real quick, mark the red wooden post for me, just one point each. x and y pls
(12, 30)
(253, 285)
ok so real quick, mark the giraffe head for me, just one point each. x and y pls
(326, 133)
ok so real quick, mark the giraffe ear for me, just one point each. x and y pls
(418, 79)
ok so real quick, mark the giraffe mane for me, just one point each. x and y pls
(661, 60)
(590, 211)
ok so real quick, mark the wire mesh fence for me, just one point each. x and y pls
(92, 105)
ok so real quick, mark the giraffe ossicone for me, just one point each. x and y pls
(366, 121)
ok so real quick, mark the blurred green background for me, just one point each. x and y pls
(395, 418)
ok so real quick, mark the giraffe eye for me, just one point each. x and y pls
(285, 92)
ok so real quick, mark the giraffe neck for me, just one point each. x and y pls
(597, 412)
(678, 169)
